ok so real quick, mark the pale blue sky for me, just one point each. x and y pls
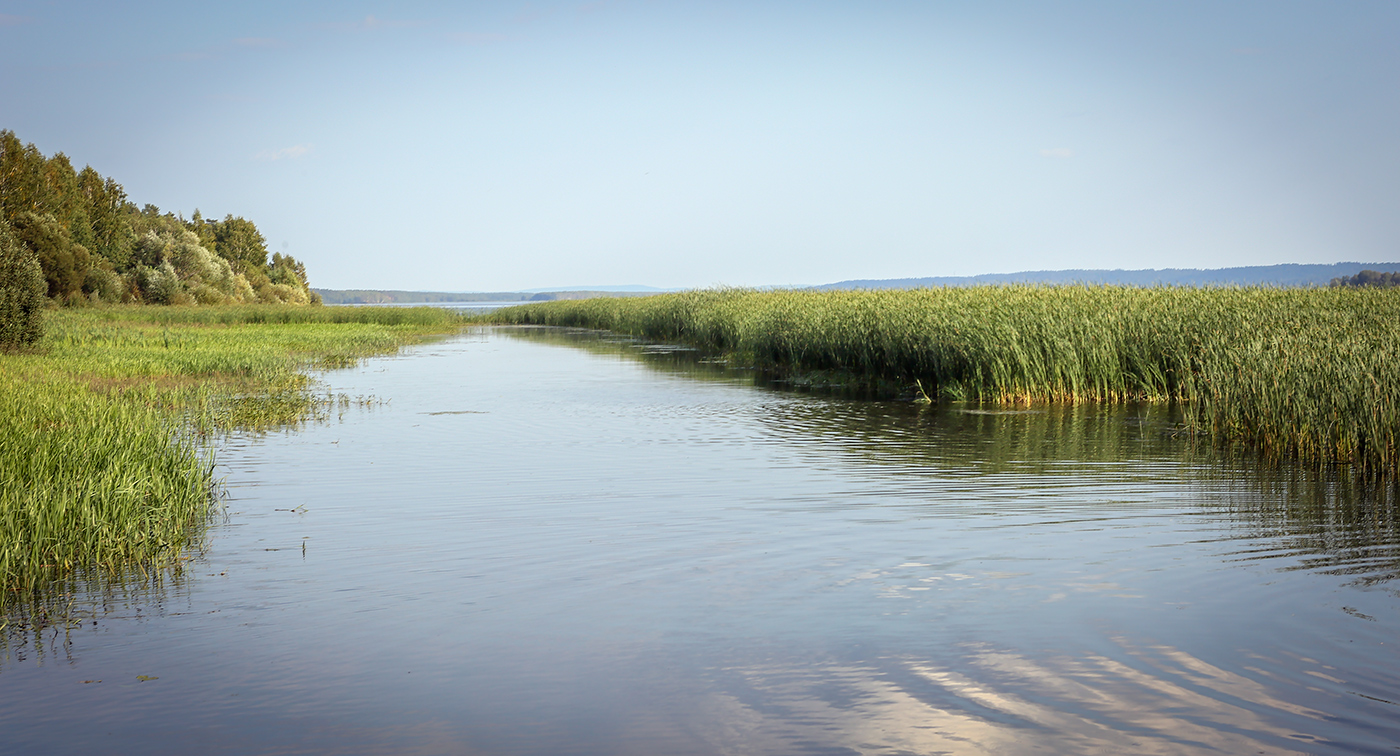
(498, 146)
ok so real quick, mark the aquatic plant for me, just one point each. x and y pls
(103, 456)
(1305, 374)
(88, 482)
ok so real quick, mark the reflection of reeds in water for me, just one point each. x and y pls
(40, 624)
(1055, 438)
(1325, 520)
(1337, 524)
(1144, 699)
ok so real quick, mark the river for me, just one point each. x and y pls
(539, 541)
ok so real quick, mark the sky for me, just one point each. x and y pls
(455, 146)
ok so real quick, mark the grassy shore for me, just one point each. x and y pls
(1311, 375)
(103, 464)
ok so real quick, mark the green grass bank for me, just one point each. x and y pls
(1311, 375)
(103, 426)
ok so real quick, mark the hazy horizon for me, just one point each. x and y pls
(499, 146)
(1280, 277)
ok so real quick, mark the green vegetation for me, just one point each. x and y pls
(1305, 374)
(21, 293)
(104, 409)
(94, 245)
(103, 464)
(1369, 278)
(88, 482)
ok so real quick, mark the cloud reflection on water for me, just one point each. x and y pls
(1154, 700)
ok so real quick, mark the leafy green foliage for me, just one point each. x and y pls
(65, 263)
(21, 292)
(240, 242)
(175, 269)
(94, 245)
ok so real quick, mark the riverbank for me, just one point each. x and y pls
(104, 464)
(1309, 375)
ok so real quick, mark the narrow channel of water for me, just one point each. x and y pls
(554, 542)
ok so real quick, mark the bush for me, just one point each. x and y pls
(104, 285)
(22, 292)
(63, 263)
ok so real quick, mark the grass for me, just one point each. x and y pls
(103, 461)
(1311, 375)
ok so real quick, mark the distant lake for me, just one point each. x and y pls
(464, 306)
(546, 541)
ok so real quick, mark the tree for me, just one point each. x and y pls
(61, 195)
(21, 292)
(287, 282)
(104, 200)
(23, 185)
(239, 241)
(94, 244)
(65, 263)
(204, 230)
(175, 269)
(1372, 278)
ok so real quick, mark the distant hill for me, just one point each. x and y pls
(627, 289)
(1256, 275)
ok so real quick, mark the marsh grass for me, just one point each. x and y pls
(1310, 375)
(89, 482)
(104, 459)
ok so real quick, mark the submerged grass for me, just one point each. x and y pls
(102, 465)
(1306, 374)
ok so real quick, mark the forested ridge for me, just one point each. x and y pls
(95, 245)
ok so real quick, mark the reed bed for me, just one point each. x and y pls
(1311, 375)
(90, 483)
(427, 317)
(104, 461)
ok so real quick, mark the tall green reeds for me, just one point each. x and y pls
(102, 464)
(90, 483)
(1307, 374)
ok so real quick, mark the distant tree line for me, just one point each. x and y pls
(397, 296)
(1369, 278)
(94, 245)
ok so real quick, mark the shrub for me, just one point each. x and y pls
(22, 292)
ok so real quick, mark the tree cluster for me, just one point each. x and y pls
(1369, 278)
(92, 244)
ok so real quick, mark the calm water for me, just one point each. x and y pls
(458, 306)
(546, 542)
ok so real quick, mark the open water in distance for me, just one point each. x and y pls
(552, 542)
(457, 306)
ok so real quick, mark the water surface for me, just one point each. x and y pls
(553, 542)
